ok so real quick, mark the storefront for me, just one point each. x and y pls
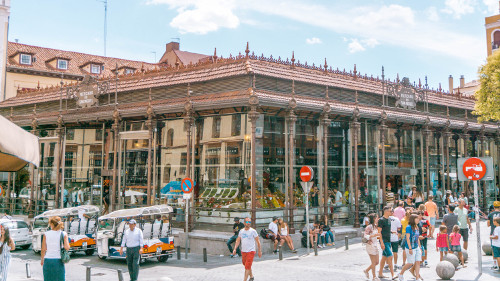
(241, 128)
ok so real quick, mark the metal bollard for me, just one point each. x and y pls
(280, 253)
(120, 275)
(28, 271)
(88, 273)
(186, 253)
(316, 248)
(178, 252)
(347, 242)
(205, 258)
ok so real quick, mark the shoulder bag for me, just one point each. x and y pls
(64, 253)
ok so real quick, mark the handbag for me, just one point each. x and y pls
(64, 253)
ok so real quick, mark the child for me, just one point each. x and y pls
(455, 243)
(495, 240)
(423, 226)
(442, 242)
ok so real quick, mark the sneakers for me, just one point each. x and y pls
(294, 251)
(324, 245)
(495, 267)
(319, 246)
(329, 244)
(401, 277)
(275, 251)
(234, 256)
(251, 279)
(425, 263)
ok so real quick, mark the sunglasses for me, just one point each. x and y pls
(247, 221)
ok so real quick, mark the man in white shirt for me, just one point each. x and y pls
(79, 197)
(395, 229)
(248, 238)
(338, 197)
(134, 241)
(273, 226)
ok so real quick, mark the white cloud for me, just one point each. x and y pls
(201, 17)
(458, 8)
(432, 13)
(492, 6)
(314, 40)
(361, 45)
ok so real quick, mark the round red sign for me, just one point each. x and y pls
(474, 169)
(306, 173)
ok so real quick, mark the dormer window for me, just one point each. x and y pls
(25, 59)
(128, 71)
(62, 64)
(95, 69)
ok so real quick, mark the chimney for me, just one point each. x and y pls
(462, 81)
(450, 81)
(172, 46)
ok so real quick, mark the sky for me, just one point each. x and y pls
(434, 38)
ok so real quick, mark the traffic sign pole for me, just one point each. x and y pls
(478, 231)
(307, 221)
(187, 187)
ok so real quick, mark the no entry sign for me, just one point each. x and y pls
(306, 173)
(187, 185)
(474, 169)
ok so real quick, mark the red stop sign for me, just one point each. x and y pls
(474, 169)
(306, 173)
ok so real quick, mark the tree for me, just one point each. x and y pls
(488, 96)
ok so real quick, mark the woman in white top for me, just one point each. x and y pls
(283, 230)
(53, 267)
(372, 235)
(6, 244)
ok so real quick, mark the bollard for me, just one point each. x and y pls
(178, 252)
(120, 275)
(347, 242)
(88, 273)
(186, 253)
(205, 258)
(316, 248)
(28, 271)
(280, 253)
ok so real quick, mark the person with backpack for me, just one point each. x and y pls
(53, 242)
(249, 239)
(412, 248)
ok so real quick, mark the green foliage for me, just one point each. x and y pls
(488, 95)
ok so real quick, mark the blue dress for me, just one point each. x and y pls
(4, 261)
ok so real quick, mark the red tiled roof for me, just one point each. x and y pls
(44, 55)
(187, 58)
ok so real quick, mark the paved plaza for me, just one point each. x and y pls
(334, 263)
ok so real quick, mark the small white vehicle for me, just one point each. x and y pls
(79, 223)
(155, 226)
(19, 232)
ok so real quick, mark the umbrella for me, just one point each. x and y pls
(17, 147)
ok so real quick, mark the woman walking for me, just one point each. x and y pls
(53, 267)
(6, 244)
(372, 235)
(413, 249)
(283, 230)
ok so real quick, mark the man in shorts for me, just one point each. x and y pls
(463, 221)
(495, 213)
(432, 211)
(395, 241)
(384, 228)
(248, 238)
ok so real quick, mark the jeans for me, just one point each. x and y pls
(324, 239)
(133, 258)
(230, 247)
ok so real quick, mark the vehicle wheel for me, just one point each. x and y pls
(89, 252)
(162, 258)
(36, 252)
(25, 247)
(142, 261)
(102, 257)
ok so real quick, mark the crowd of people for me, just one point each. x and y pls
(411, 225)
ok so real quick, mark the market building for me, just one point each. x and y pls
(241, 127)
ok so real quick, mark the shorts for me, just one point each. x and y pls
(496, 251)
(432, 221)
(465, 234)
(395, 246)
(372, 250)
(456, 248)
(416, 256)
(423, 243)
(247, 259)
(387, 250)
(443, 249)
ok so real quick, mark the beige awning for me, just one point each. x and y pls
(17, 147)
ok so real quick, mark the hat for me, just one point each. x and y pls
(132, 221)
(236, 219)
(496, 204)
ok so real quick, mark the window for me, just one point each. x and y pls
(216, 127)
(25, 59)
(70, 134)
(170, 137)
(236, 125)
(98, 134)
(129, 71)
(62, 64)
(95, 68)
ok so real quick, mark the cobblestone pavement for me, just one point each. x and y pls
(333, 263)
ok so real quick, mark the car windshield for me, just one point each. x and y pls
(9, 224)
(41, 223)
(106, 224)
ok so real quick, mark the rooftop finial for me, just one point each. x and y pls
(293, 59)
(397, 78)
(419, 83)
(247, 50)
(383, 73)
(355, 71)
(215, 55)
(326, 66)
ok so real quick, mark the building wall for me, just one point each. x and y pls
(492, 24)
(4, 28)
(17, 81)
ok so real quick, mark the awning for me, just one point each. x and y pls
(17, 147)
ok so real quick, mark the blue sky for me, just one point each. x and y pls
(437, 38)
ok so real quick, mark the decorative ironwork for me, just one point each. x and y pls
(87, 92)
(406, 95)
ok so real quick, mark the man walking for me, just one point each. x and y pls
(248, 238)
(491, 217)
(432, 211)
(395, 237)
(237, 226)
(384, 228)
(463, 221)
(133, 240)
